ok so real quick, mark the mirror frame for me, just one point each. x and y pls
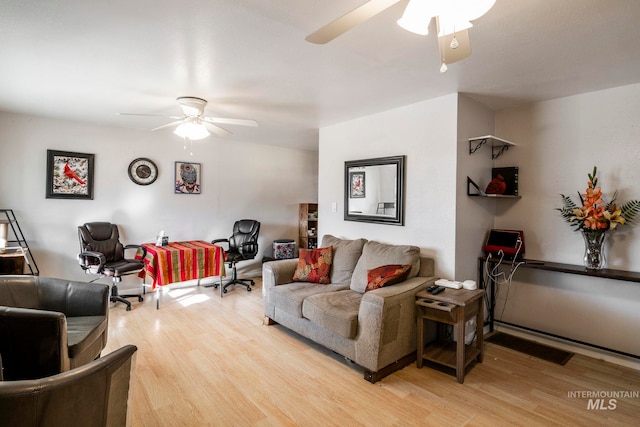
(398, 219)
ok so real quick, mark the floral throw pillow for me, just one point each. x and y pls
(314, 265)
(386, 275)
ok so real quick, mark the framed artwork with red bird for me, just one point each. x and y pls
(69, 175)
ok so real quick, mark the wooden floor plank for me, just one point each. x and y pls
(208, 361)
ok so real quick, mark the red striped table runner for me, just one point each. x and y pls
(181, 261)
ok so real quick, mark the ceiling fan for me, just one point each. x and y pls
(193, 124)
(452, 20)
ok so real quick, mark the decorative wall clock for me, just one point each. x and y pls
(143, 171)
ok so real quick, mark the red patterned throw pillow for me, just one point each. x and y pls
(386, 275)
(314, 265)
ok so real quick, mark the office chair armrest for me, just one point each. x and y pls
(248, 248)
(216, 241)
(85, 257)
(138, 248)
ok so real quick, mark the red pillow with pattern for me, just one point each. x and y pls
(386, 275)
(314, 265)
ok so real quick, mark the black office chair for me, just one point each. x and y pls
(102, 254)
(242, 245)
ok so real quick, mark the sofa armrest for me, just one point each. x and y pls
(278, 272)
(87, 299)
(33, 343)
(387, 323)
(73, 298)
(98, 393)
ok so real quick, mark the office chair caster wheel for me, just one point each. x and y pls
(128, 308)
(224, 291)
(248, 289)
(140, 299)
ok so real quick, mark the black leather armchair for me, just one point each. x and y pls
(48, 325)
(95, 394)
(242, 245)
(102, 254)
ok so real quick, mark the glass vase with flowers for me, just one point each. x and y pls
(595, 219)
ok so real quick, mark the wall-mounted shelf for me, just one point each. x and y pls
(498, 145)
(630, 276)
(480, 193)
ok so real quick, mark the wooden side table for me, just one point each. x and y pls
(450, 307)
(12, 261)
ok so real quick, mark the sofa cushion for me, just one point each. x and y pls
(336, 312)
(386, 275)
(83, 331)
(289, 298)
(314, 265)
(345, 257)
(375, 254)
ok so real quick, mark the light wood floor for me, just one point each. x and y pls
(205, 360)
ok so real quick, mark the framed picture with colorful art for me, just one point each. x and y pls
(357, 188)
(69, 175)
(188, 178)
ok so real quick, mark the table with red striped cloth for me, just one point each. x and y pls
(182, 261)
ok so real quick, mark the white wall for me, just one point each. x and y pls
(559, 142)
(240, 179)
(474, 215)
(426, 133)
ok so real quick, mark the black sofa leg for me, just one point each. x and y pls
(372, 377)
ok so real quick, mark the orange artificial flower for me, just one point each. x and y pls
(595, 214)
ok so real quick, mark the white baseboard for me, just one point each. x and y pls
(595, 353)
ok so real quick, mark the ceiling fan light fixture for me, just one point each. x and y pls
(191, 106)
(454, 15)
(417, 16)
(192, 131)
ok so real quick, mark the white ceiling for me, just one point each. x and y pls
(87, 60)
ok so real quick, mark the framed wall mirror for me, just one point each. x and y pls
(374, 190)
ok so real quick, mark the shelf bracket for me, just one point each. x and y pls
(500, 149)
(470, 184)
(480, 143)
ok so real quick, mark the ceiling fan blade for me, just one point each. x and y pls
(149, 115)
(216, 129)
(168, 125)
(239, 122)
(449, 55)
(349, 20)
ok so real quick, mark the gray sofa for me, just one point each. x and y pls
(375, 329)
(49, 326)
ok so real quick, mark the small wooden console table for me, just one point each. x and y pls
(606, 273)
(450, 307)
